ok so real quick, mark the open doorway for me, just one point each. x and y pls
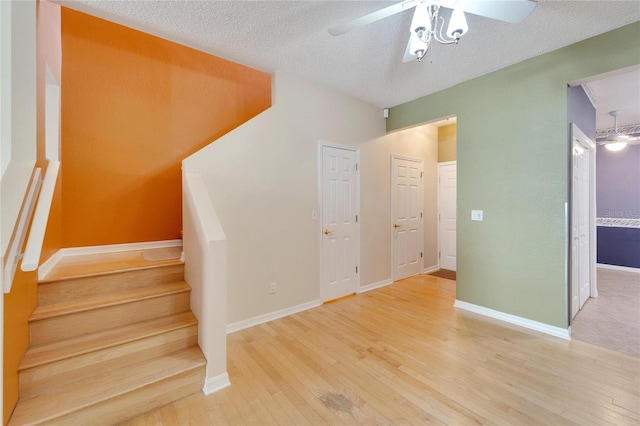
(611, 316)
(447, 198)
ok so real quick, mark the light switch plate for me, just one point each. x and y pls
(476, 214)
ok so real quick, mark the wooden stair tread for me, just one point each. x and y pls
(132, 295)
(91, 390)
(105, 263)
(38, 355)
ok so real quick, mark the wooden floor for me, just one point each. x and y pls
(87, 265)
(403, 355)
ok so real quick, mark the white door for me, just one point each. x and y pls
(406, 208)
(580, 222)
(339, 227)
(447, 184)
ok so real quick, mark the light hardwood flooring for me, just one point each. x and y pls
(612, 320)
(92, 264)
(403, 355)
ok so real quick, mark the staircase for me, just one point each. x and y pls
(110, 339)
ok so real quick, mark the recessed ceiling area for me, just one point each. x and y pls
(366, 63)
(617, 91)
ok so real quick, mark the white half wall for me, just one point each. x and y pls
(262, 179)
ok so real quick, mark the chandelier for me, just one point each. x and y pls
(427, 26)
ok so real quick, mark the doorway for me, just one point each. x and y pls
(447, 190)
(583, 231)
(406, 216)
(340, 233)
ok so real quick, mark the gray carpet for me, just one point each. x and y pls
(612, 320)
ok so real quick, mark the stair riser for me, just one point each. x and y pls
(136, 402)
(44, 379)
(72, 325)
(68, 290)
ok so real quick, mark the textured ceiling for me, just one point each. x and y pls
(366, 63)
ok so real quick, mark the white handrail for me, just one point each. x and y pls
(13, 256)
(39, 225)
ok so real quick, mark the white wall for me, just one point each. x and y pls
(262, 179)
(18, 110)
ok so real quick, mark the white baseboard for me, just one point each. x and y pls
(261, 319)
(618, 268)
(214, 384)
(373, 286)
(431, 269)
(513, 319)
(49, 264)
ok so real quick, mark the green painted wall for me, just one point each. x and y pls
(512, 163)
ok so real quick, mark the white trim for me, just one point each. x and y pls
(579, 137)
(513, 319)
(374, 286)
(13, 253)
(618, 222)
(50, 263)
(261, 319)
(356, 150)
(214, 384)
(40, 219)
(618, 268)
(391, 204)
(448, 163)
(431, 269)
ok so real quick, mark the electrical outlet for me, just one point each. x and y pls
(272, 288)
(477, 215)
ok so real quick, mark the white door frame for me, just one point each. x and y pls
(320, 219)
(590, 146)
(391, 230)
(444, 163)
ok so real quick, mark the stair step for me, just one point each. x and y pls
(85, 265)
(50, 323)
(38, 355)
(76, 288)
(47, 366)
(105, 300)
(117, 394)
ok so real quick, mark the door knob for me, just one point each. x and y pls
(327, 232)
(395, 225)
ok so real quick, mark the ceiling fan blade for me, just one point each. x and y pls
(512, 11)
(372, 17)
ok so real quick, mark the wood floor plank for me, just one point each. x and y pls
(402, 354)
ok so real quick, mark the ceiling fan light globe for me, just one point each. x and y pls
(418, 47)
(615, 146)
(421, 18)
(457, 25)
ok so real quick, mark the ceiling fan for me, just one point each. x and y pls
(613, 139)
(427, 25)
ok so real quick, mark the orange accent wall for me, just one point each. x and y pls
(20, 303)
(18, 306)
(133, 107)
